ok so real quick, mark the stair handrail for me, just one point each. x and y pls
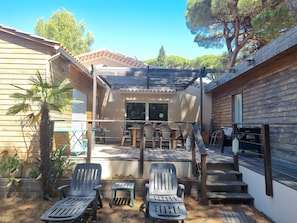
(202, 151)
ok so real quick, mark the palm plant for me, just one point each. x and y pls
(36, 103)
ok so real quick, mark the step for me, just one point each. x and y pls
(215, 165)
(223, 175)
(223, 172)
(227, 186)
(226, 183)
(224, 197)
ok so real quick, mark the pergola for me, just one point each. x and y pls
(145, 80)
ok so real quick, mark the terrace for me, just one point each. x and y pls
(127, 160)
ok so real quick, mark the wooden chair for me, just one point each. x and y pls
(149, 135)
(164, 196)
(83, 194)
(165, 135)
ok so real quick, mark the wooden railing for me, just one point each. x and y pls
(200, 164)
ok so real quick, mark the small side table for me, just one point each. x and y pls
(125, 186)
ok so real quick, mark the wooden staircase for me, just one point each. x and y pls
(224, 185)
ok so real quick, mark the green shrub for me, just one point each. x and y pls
(9, 165)
(61, 165)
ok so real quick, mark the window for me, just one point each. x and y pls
(135, 111)
(158, 111)
(146, 111)
(237, 108)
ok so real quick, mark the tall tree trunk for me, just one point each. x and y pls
(46, 129)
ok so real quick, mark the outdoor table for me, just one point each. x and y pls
(123, 186)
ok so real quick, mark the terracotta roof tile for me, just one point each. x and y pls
(111, 55)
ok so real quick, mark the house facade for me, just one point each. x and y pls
(263, 90)
(21, 56)
(132, 90)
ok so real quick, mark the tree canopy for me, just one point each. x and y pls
(177, 62)
(62, 27)
(237, 24)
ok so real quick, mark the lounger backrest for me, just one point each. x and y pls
(86, 177)
(162, 179)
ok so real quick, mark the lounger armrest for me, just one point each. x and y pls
(62, 191)
(181, 191)
(98, 187)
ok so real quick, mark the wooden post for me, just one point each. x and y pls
(90, 142)
(201, 147)
(193, 154)
(235, 156)
(204, 200)
(141, 158)
(267, 160)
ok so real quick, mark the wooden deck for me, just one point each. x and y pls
(284, 173)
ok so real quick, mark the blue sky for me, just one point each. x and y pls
(134, 28)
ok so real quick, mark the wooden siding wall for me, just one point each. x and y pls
(78, 81)
(85, 85)
(269, 95)
(18, 63)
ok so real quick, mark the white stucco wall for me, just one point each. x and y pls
(131, 167)
(281, 208)
(182, 106)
